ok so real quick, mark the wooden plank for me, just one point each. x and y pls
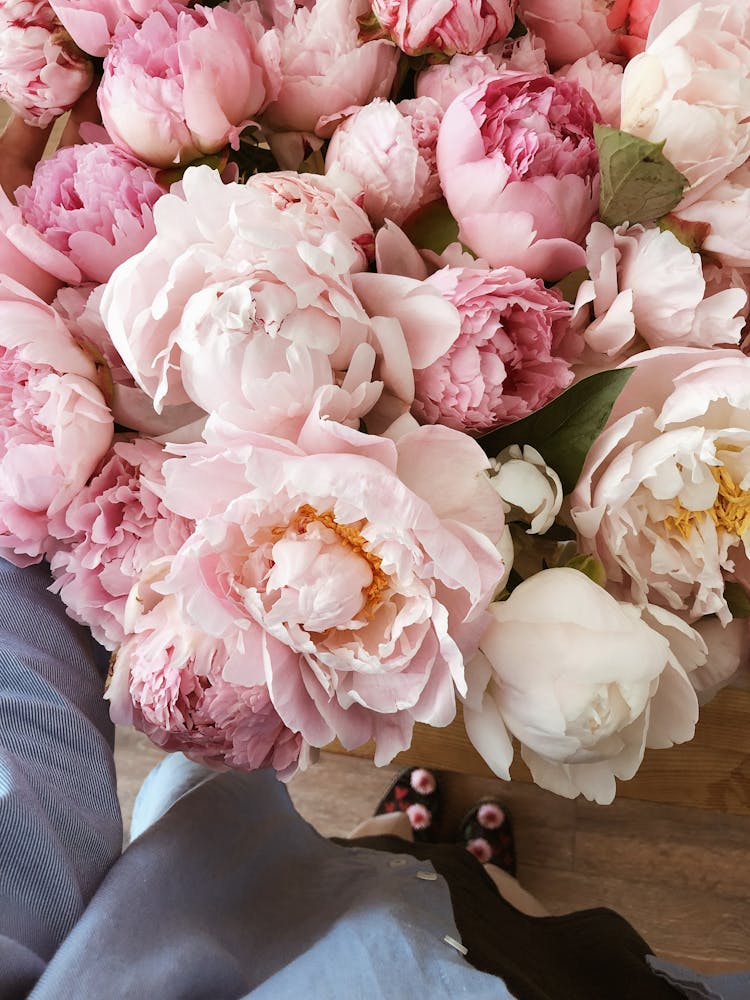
(710, 772)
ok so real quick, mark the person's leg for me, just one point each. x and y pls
(514, 893)
(395, 824)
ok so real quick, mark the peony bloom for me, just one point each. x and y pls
(325, 70)
(511, 355)
(42, 71)
(530, 490)
(169, 683)
(663, 499)
(571, 29)
(243, 304)
(93, 203)
(646, 284)
(633, 18)
(725, 209)
(602, 79)
(389, 149)
(583, 682)
(367, 562)
(418, 27)
(691, 89)
(54, 423)
(113, 529)
(91, 23)
(520, 171)
(183, 84)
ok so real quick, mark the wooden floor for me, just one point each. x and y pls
(680, 875)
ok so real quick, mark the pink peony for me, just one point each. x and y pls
(92, 23)
(184, 84)
(634, 18)
(92, 203)
(113, 528)
(647, 286)
(571, 29)
(418, 27)
(663, 499)
(691, 90)
(168, 682)
(389, 149)
(26, 257)
(42, 71)
(325, 70)
(520, 171)
(54, 423)
(243, 304)
(367, 562)
(725, 208)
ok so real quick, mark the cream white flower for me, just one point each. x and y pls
(584, 682)
(529, 488)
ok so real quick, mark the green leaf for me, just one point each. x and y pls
(738, 600)
(638, 183)
(590, 567)
(432, 227)
(564, 430)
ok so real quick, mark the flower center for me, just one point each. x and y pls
(730, 511)
(352, 538)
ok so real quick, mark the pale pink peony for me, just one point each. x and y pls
(54, 423)
(647, 286)
(42, 71)
(93, 203)
(511, 356)
(243, 304)
(389, 149)
(324, 71)
(725, 208)
(444, 81)
(583, 682)
(26, 257)
(602, 79)
(91, 23)
(184, 83)
(571, 29)
(520, 171)
(691, 89)
(168, 682)
(420, 26)
(663, 497)
(367, 562)
(113, 529)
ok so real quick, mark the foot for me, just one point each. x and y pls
(415, 791)
(487, 832)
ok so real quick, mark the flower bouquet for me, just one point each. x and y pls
(361, 360)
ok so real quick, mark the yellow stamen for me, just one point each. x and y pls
(351, 536)
(730, 511)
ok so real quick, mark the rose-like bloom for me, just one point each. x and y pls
(42, 71)
(367, 562)
(646, 283)
(169, 683)
(325, 69)
(389, 149)
(243, 304)
(585, 683)
(691, 89)
(92, 202)
(602, 79)
(113, 529)
(663, 500)
(91, 23)
(529, 488)
(511, 356)
(54, 423)
(418, 27)
(183, 84)
(26, 257)
(520, 171)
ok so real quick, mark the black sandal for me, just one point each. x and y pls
(486, 831)
(415, 791)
